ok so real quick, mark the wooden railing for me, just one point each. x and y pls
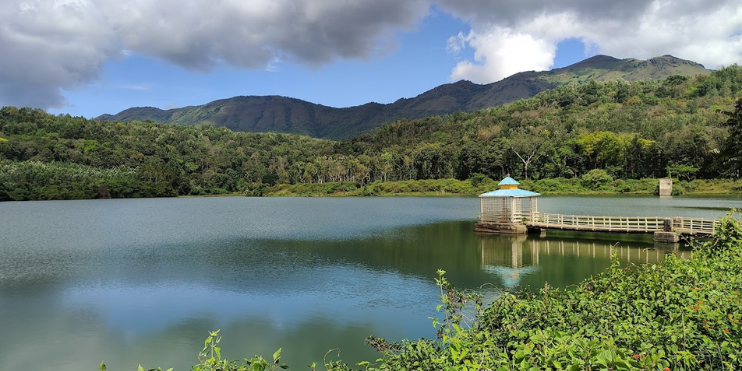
(705, 226)
(628, 224)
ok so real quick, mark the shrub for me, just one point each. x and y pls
(596, 178)
(370, 190)
(477, 179)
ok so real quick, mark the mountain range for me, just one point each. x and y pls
(290, 115)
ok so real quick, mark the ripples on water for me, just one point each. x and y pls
(142, 281)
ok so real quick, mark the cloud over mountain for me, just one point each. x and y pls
(514, 35)
(54, 45)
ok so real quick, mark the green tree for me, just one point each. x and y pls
(595, 178)
(527, 146)
(731, 154)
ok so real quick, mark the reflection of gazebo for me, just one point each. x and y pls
(509, 264)
(504, 210)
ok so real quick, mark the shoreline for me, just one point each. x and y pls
(453, 187)
(463, 188)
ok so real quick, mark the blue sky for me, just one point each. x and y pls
(420, 63)
(89, 57)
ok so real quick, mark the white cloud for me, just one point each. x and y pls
(53, 45)
(710, 35)
(500, 52)
(138, 87)
(514, 36)
(48, 45)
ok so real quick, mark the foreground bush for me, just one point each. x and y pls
(673, 315)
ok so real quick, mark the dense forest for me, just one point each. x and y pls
(629, 130)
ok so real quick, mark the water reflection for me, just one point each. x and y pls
(508, 263)
(142, 281)
(514, 258)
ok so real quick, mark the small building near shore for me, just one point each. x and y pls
(505, 210)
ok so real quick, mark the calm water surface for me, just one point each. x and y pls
(143, 281)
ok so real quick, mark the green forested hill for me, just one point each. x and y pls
(288, 115)
(626, 130)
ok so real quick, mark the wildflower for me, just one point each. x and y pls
(726, 330)
(697, 307)
(636, 356)
(666, 369)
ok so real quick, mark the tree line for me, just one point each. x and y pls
(630, 130)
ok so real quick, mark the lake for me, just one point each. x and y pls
(144, 280)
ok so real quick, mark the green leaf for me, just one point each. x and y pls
(140, 368)
(277, 356)
(102, 367)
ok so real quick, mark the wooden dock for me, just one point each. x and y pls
(623, 224)
(510, 210)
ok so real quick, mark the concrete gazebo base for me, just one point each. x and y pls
(500, 228)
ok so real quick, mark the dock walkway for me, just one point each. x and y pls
(623, 224)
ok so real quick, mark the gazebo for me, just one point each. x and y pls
(504, 210)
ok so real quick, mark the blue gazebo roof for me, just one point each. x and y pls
(508, 181)
(510, 193)
(509, 188)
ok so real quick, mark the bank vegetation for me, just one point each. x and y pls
(686, 128)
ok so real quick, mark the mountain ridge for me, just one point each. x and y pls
(274, 113)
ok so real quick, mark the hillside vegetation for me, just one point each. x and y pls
(288, 115)
(596, 132)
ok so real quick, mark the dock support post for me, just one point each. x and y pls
(666, 237)
(668, 234)
(668, 225)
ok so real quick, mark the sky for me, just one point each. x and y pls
(90, 57)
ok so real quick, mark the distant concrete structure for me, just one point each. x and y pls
(665, 187)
